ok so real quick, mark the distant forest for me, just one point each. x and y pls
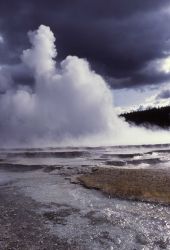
(153, 116)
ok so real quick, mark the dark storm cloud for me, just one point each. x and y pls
(164, 94)
(119, 37)
(139, 80)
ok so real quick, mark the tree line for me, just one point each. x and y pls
(153, 116)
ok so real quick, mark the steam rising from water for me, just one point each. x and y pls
(69, 105)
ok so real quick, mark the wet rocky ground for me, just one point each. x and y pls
(22, 228)
(43, 206)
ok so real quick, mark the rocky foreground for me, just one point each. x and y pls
(21, 228)
(48, 200)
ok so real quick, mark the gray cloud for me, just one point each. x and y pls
(118, 38)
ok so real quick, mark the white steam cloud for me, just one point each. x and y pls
(69, 105)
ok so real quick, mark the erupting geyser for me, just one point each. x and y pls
(69, 104)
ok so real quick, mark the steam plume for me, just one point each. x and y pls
(70, 103)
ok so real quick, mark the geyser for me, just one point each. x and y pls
(69, 104)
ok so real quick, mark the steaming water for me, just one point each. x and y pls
(152, 156)
(91, 220)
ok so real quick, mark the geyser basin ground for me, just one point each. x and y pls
(137, 184)
(42, 207)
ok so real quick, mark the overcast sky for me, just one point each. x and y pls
(127, 42)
